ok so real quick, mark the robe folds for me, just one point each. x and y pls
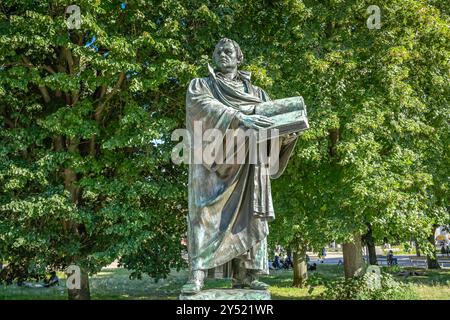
(230, 205)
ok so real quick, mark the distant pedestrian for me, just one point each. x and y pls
(288, 263)
(391, 261)
(312, 267)
(276, 262)
(323, 254)
(52, 281)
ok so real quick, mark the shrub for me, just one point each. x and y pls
(368, 287)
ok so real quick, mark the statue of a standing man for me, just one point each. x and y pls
(230, 205)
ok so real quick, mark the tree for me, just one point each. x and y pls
(85, 117)
(376, 101)
(353, 261)
(369, 241)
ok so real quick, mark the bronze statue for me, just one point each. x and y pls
(230, 205)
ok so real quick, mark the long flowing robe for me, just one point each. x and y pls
(230, 205)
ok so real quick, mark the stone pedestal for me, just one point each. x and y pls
(228, 294)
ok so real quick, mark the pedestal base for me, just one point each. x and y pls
(228, 294)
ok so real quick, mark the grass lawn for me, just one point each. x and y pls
(115, 284)
(431, 285)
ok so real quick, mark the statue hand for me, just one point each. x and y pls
(254, 121)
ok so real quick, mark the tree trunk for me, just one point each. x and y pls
(84, 292)
(300, 267)
(432, 260)
(372, 254)
(417, 248)
(370, 242)
(353, 262)
(70, 180)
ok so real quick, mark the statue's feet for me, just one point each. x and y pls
(258, 285)
(246, 278)
(254, 285)
(251, 284)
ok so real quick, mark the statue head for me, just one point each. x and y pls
(227, 55)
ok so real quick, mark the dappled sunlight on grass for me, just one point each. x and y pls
(115, 284)
(103, 274)
(14, 292)
(430, 284)
(433, 292)
(290, 293)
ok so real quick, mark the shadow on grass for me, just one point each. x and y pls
(421, 276)
(115, 284)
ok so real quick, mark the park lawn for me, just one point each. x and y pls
(280, 282)
(109, 284)
(114, 284)
(432, 285)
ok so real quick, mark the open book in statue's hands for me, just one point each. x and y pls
(289, 115)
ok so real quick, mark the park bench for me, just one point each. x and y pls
(382, 261)
(444, 261)
(419, 262)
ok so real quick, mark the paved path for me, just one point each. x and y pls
(402, 260)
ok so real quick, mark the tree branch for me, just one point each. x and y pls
(58, 143)
(49, 69)
(69, 58)
(102, 105)
(9, 122)
(42, 88)
(93, 146)
(75, 96)
(45, 94)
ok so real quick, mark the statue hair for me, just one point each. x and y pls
(239, 54)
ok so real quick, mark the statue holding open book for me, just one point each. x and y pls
(230, 202)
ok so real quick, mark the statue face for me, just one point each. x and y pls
(226, 57)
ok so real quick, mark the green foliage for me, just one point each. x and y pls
(378, 105)
(82, 179)
(367, 287)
